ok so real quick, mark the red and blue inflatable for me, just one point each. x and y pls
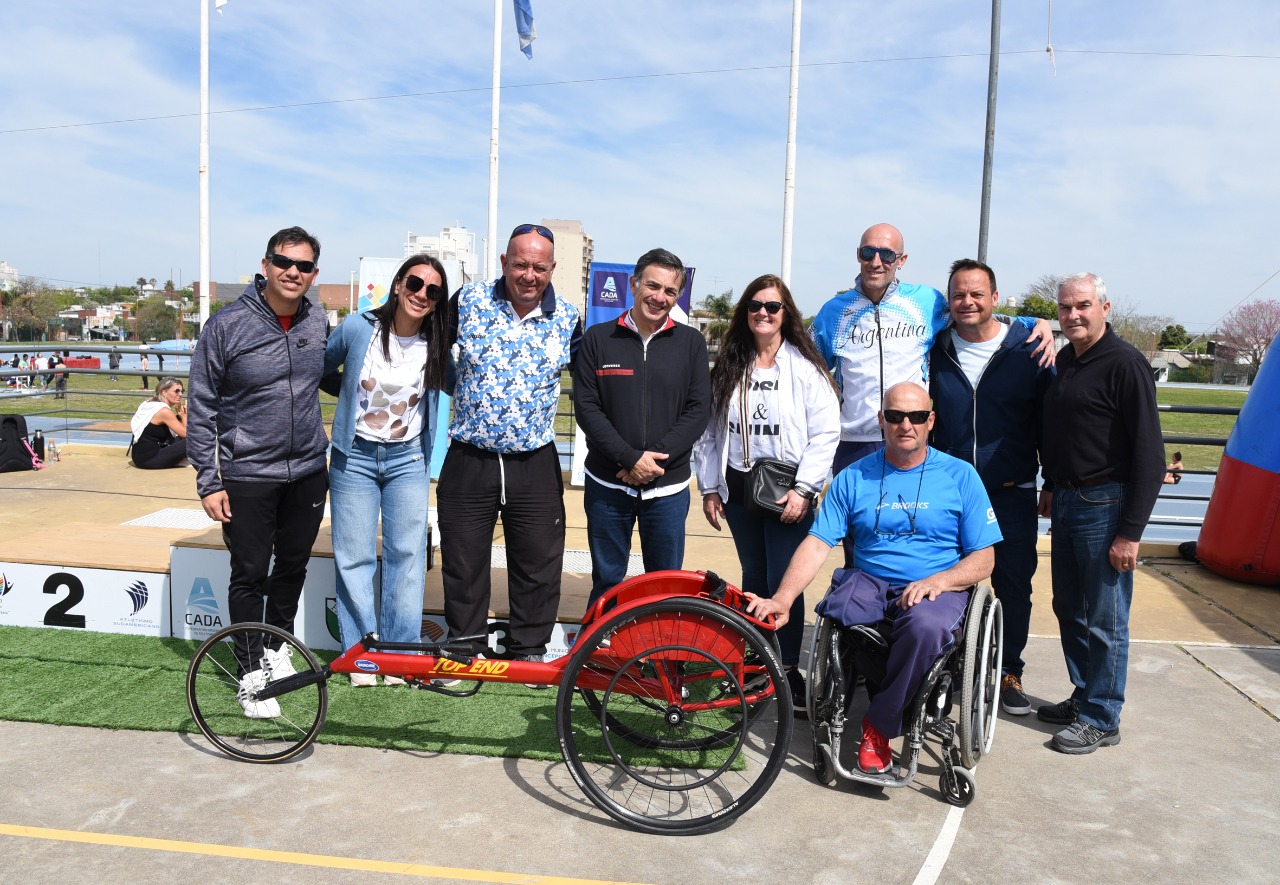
(1239, 538)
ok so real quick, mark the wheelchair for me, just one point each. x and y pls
(840, 657)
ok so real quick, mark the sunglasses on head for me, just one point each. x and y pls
(533, 229)
(284, 263)
(414, 284)
(869, 253)
(897, 416)
(770, 307)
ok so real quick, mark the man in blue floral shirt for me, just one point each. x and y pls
(514, 336)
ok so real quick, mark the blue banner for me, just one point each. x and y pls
(609, 293)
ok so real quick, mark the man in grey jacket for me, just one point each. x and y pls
(256, 439)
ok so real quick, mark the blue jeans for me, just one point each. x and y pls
(393, 478)
(765, 547)
(1016, 561)
(611, 516)
(1091, 599)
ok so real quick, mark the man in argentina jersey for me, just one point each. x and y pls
(879, 334)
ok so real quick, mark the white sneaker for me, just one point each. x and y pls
(278, 663)
(392, 680)
(251, 684)
(453, 681)
(363, 680)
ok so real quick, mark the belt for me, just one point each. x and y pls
(1082, 483)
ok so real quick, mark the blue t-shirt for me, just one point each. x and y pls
(930, 516)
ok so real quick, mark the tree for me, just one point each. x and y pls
(721, 308)
(1174, 338)
(139, 283)
(169, 286)
(1141, 330)
(1038, 306)
(1249, 330)
(155, 319)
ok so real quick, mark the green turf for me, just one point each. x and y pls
(106, 680)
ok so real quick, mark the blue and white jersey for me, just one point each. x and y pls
(875, 346)
(908, 524)
(508, 370)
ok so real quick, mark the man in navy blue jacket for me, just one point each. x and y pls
(642, 395)
(987, 396)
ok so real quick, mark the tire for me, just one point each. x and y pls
(980, 677)
(654, 722)
(213, 685)
(826, 693)
(960, 789)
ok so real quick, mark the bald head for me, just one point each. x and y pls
(906, 442)
(907, 396)
(879, 270)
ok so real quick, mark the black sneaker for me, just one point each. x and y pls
(1079, 738)
(535, 659)
(1012, 699)
(799, 697)
(1064, 713)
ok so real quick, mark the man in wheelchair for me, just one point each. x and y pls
(923, 532)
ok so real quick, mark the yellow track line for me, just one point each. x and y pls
(292, 857)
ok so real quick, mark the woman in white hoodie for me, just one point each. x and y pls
(769, 368)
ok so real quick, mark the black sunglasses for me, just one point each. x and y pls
(770, 307)
(284, 263)
(532, 229)
(868, 253)
(414, 284)
(897, 416)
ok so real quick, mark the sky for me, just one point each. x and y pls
(1143, 151)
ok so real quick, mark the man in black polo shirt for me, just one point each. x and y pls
(1102, 448)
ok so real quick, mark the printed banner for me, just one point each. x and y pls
(70, 597)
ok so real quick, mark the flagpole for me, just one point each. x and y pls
(204, 162)
(491, 242)
(989, 151)
(789, 177)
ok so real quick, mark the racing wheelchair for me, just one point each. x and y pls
(840, 657)
(673, 713)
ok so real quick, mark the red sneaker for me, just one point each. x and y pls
(874, 754)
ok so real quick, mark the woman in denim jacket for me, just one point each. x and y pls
(393, 362)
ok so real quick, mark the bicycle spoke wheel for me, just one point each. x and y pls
(980, 678)
(655, 722)
(272, 716)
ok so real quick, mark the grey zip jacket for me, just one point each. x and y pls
(253, 406)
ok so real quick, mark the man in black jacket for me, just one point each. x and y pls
(257, 441)
(1105, 454)
(987, 395)
(642, 396)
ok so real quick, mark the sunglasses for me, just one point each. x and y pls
(533, 229)
(868, 253)
(414, 284)
(897, 416)
(284, 263)
(770, 307)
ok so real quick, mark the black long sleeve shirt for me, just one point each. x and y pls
(1101, 422)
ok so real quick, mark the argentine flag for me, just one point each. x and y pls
(524, 26)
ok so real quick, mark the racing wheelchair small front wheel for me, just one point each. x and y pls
(268, 712)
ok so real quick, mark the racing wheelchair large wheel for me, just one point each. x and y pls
(980, 675)
(674, 717)
(213, 695)
(827, 692)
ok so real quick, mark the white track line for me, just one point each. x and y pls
(941, 850)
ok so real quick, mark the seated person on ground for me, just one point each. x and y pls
(1173, 473)
(923, 527)
(160, 428)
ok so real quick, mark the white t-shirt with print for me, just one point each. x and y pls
(392, 391)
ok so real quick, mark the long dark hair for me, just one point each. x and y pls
(433, 324)
(738, 350)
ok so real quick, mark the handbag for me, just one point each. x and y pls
(767, 479)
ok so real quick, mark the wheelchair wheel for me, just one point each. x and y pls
(959, 789)
(657, 726)
(980, 678)
(213, 696)
(826, 694)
